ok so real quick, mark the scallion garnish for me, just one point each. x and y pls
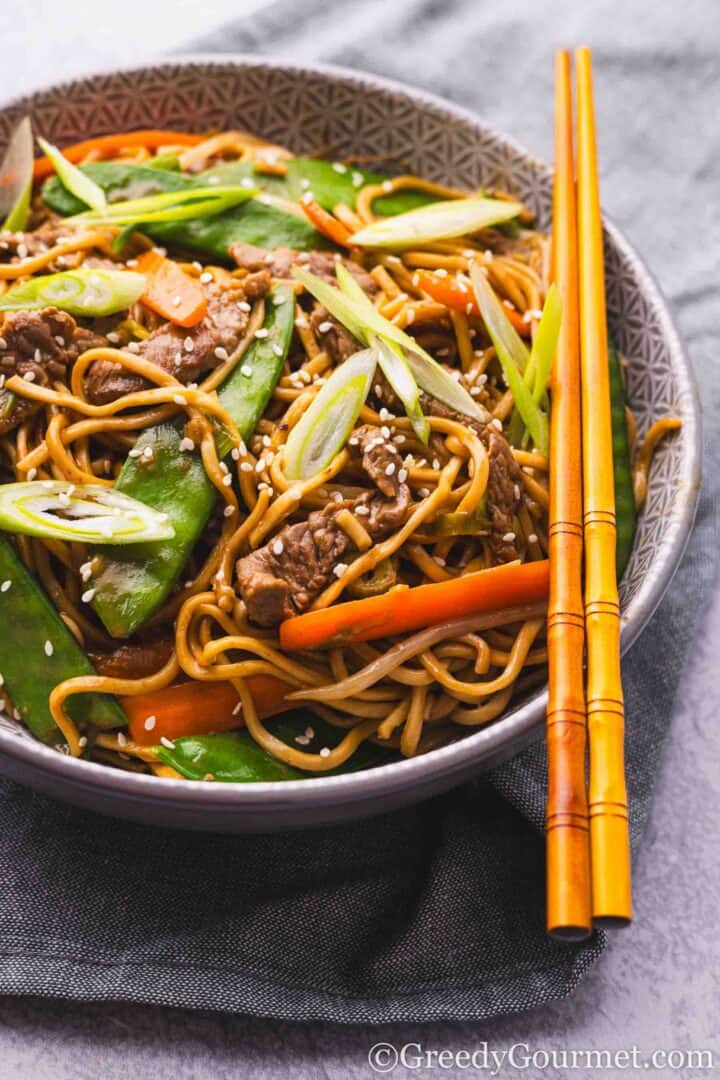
(168, 206)
(75, 180)
(438, 221)
(16, 175)
(84, 292)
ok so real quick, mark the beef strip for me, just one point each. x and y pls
(16, 246)
(185, 353)
(337, 342)
(504, 489)
(283, 578)
(45, 343)
(280, 262)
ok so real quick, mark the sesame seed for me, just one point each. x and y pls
(150, 722)
(5, 586)
(309, 732)
(278, 547)
(302, 740)
(186, 444)
(339, 569)
(339, 167)
(244, 306)
(132, 263)
(206, 277)
(509, 537)
(49, 648)
(363, 511)
(176, 301)
(385, 432)
(31, 473)
(229, 510)
(532, 538)
(497, 424)
(357, 179)
(411, 315)
(227, 480)
(337, 496)
(86, 571)
(277, 349)
(325, 326)
(247, 182)
(246, 370)
(179, 399)
(402, 475)
(147, 453)
(262, 332)
(2, 680)
(133, 347)
(113, 338)
(22, 251)
(64, 498)
(167, 742)
(436, 463)
(82, 741)
(390, 469)
(221, 353)
(325, 752)
(307, 197)
(469, 308)
(87, 596)
(246, 467)
(29, 376)
(188, 344)
(135, 452)
(387, 185)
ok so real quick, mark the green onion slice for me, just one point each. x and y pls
(513, 357)
(16, 178)
(438, 221)
(545, 343)
(74, 179)
(169, 206)
(364, 321)
(324, 429)
(89, 292)
(57, 510)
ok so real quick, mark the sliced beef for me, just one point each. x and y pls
(283, 578)
(280, 262)
(134, 659)
(504, 490)
(337, 342)
(44, 343)
(185, 353)
(23, 245)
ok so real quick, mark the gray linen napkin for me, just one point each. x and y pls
(435, 912)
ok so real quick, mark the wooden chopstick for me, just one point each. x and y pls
(569, 916)
(609, 831)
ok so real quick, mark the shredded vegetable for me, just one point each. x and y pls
(169, 206)
(56, 510)
(83, 292)
(438, 221)
(16, 174)
(76, 181)
(324, 429)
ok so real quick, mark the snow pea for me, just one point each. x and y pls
(131, 585)
(622, 466)
(41, 652)
(235, 758)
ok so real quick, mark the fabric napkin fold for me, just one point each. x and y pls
(437, 911)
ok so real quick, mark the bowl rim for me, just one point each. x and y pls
(521, 723)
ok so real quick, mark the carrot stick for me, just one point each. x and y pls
(412, 609)
(199, 708)
(568, 913)
(109, 144)
(609, 832)
(448, 292)
(325, 223)
(170, 291)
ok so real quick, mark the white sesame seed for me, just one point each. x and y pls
(87, 596)
(150, 722)
(5, 586)
(132, 263)
(532, 538)
(325, 752)
(206, 277)
(22, 251)
(363, 511)
(339, 167)
(135, 452)
(246, 370)
(509, 537)
(278, 547)
(309, 732)
(167, 742)
(186, 444)
(133, 347)
(339, 569)
(221, 353)
(2, 680)
(229, 510)
(402, 475)
(390, 469)
(64, 498)
(176, 301)
(179, 399)
(302, 740)
(497, 424)
(244, 306)
(29, 376)
(86, 571)
(49, 648)
(262, 332)
(82, 741)
(147, 453)
(188, 344)
(227, 480)
(277, 349)
(31, 473)
(245, 466)
(323, 327)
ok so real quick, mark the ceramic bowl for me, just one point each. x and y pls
(335, 113)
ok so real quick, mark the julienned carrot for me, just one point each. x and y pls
(199, 708)
(325, 223)
(447, 291)
(107, 144)
(413, 609)
(170, 291)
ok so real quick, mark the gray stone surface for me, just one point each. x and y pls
(657, 985)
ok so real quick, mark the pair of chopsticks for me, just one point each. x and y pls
(588, 848)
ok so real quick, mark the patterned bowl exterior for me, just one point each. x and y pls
(336, 113)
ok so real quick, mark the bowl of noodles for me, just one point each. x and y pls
(275, 350)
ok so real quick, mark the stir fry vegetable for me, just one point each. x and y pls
(455, 294)
(41, 652)
(171, 206)
(363, 321)
(87, 513)
(16, 176)
(440, 221)
(194, 708)
(132, 583)
(121, 140)
(236, 759)
(74, 179)
(85, 292)
(418, 607)
(171, 292)
(324, 429)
